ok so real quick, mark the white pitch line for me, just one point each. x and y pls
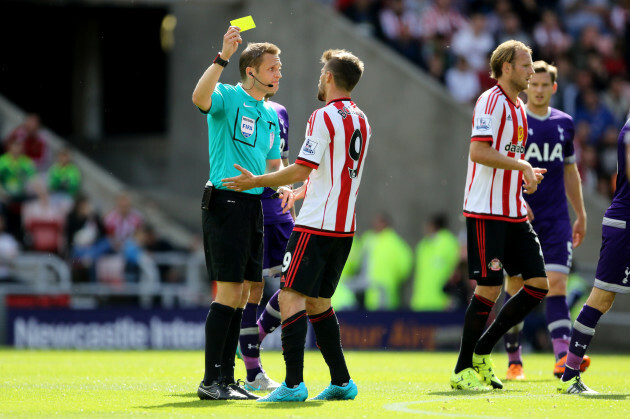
(404, 406)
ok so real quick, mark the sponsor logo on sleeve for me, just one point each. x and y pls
(483, 123)
(248, 125)
(272, 136)
(309, 147)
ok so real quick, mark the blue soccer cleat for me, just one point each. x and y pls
(333, 392)
(286, 394)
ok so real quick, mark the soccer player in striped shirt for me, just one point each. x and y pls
(613, 271)
(278, 225)
(550, 145)
(331, 158)
(499, 235)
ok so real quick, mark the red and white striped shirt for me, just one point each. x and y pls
(497, 193)
(337, 138)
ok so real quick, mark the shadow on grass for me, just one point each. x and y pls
(459, 393)
(235, 404)
(604, 396)
(194, 403)
(183, 395)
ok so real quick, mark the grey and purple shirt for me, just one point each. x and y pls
(272, 211)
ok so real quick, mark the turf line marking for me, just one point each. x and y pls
(404, 406)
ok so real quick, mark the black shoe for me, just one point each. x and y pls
(236, 387)
(218, 391)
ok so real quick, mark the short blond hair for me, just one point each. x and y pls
(505, 53)
(345, 67)
(252, 56)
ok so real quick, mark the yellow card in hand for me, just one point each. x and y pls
(245, 23)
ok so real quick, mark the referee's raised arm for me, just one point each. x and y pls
(202, 95)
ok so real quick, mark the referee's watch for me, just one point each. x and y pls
(218, 60)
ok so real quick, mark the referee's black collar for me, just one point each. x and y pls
(338, 100)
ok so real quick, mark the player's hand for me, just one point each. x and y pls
(579, 231)
(288, 198)
(532, 176)
(231, 39)
(300, 192)
(246, 180)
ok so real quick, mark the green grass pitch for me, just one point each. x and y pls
(391, 384)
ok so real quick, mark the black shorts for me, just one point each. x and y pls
(494, 245)
(233, 236)
(313, 263)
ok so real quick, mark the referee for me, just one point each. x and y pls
(242, 129)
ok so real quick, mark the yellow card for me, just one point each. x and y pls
(245, 23)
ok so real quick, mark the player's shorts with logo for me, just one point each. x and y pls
(494, 245)
(613, 268)
(275, 244)
(233, 236)
(555, 238)
(313, 263)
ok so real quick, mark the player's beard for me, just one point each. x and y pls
(321, 95)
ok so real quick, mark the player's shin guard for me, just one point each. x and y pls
(326, 327)
(474, 323)
(269, 319)
(229, 349)
(217, 325)
(558, 324)
(583, 331)
(293, 340)
(249, 341)
(512, 313)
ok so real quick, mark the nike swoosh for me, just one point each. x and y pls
(247, 106)
(214, 394)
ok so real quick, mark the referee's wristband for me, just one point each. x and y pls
(220, 61)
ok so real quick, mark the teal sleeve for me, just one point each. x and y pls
(218, 101)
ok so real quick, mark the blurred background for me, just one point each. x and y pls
(105, 157)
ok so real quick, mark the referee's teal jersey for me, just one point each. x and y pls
(241, 130)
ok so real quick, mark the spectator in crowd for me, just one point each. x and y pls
(475, 42)
(122, 222)
(387, 260)
(16, 170)
(590, 41)
(441, 20)
(34, 143)
(437, 257)
(9, 251)
(401, 29)
(593, 111)
(462, 81)
(607, 156)
(617, 99)
(365, 14)
(511, 29)
(579, 14)
(64, 177)
(589, 169)
(44, 221)
(85, 235)
(550, 39)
